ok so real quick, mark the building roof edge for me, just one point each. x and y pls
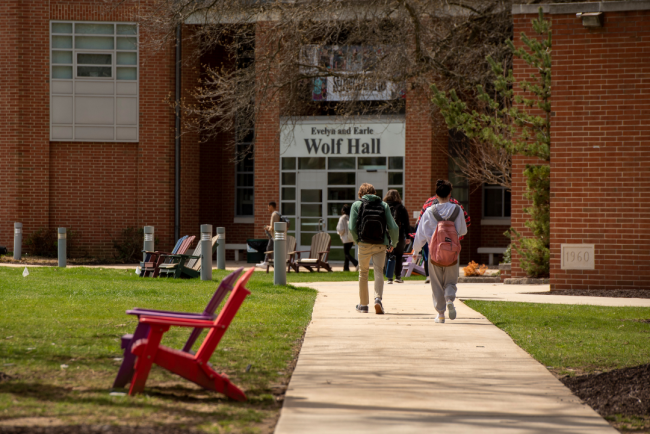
(574, 8)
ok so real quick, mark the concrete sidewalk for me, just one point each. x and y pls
(402, 373)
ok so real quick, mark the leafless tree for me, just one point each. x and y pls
(365, 53)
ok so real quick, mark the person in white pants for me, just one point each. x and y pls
(443, 279)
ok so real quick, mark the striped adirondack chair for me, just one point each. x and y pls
(148, 266)
(185, 265)
(165, 258)
(320, 250)
(291, 246)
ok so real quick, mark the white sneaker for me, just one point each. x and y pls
(451, 309)
(399, 280)
(427, 280)
(390, 282)
(262, 264)
(440, 318)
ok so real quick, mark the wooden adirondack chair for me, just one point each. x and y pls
(125, 374)
(185, 265)
(320, 249)
(151, 259)
(193, 367)
(164, 258)
(291, 246)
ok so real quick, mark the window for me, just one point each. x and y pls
(496, 201)
(94, 82)
(245, 174)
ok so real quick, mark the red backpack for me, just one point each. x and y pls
(444, 246)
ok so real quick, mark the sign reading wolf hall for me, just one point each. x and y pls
(329, 138)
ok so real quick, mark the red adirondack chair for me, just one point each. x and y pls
(192, 367)
(125, 373)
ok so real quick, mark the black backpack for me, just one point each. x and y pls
(371, 223)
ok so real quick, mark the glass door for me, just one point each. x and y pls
(341, 190)
(310, 219)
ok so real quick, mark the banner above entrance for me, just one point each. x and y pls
(310, 138)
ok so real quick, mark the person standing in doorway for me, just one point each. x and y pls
(401, 216)
(443, 278)
(372, 227)
(269, 231)
(344, 232)
(432, 201)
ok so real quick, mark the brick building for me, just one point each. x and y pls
(600, 151)
(89, 143)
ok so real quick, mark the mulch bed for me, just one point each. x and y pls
(4, 377)
(622, 391)
(617, 293)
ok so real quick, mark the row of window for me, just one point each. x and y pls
(94, 81)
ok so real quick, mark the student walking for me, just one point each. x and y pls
(372, 226)
(401, 216)
(444, 277)
(344, 232)
(431, 201)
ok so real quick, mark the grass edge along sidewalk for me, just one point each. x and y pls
(577, 342)
(60, 335)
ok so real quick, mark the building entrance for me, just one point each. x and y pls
(316, 181)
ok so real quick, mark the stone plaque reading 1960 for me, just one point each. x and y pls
(578, 257)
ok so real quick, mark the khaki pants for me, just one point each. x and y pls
(378, 254)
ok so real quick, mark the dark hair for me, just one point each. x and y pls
(392, 196)
(346, 209)
(443, 188)
(273, 204)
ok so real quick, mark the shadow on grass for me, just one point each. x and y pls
(166, 399)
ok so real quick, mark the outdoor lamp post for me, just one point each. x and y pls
(206, 252)
(280, 253)
(148, 241)
(18, 240)
(221, 248)
(63, 250)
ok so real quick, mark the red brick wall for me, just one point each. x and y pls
(600, 161)
(600, 155)
(190, 147)
(10, 35)
(419, 137)
(96, 207)
(96, 189)
(267, 136)
(217, 195)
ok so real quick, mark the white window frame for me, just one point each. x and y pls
(495, 221)
(117, 92)
(244, 218)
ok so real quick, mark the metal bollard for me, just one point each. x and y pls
(148, 241)
(206, 252)
(18, 240)
(221, 248)
(63, 248)
(280, 253)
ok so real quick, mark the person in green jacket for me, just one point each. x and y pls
(366, 230)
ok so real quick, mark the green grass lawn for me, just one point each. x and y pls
(60, 335)
(572, 339)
